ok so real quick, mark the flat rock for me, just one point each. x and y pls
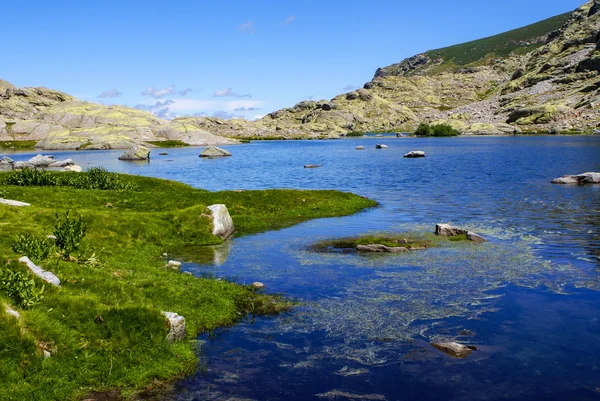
(414, 154)
(360, 148)
(13, 202)
(471, 236)
(381, 146)
(213, 151)
(380, 248)
(62, 163)
(453, 349)
(41, 161)
(222, 222)
(47, 276)
(566, 179)
(138, 152)
(74, 168)
(176, 325)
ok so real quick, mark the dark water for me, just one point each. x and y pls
(529, 298)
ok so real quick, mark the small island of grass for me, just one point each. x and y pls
(436, 130)
(103, 327)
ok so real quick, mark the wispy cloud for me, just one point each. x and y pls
(228, 92)
(158, 93)
(349, 88)
(185, 91)
(159, 109)
(247, 27)
(242, 109)
(289, 19)
(225, 115)
(110, 93)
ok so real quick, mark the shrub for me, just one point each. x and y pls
(31, 177)
(69, 232)
(35, 248)
(436, 130)
(99, 178)
(20, 288)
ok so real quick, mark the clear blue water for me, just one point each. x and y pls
(530, 297)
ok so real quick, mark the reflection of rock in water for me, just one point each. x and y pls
(206, 255)
(221, 252)
(336, 394)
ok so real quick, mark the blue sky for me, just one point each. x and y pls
(227, 58)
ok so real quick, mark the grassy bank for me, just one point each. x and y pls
(103, 326)
(18, 145)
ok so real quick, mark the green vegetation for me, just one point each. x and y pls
(355, 133)
(94, 178)
(518, 40)
(36, 248)
(410, 241)
(169, 144)
(103, 326)
(436, 130)
(18, 145)
(69, 233)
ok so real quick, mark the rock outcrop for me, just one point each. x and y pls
(579, 179)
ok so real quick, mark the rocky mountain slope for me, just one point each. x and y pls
(543, 77)
(60, 121)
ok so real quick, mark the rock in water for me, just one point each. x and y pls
(312, 165)
(581, 179)
(137, 152)
(22, 165)
(10, 202)
(62, 163)
(47, 276)
(258, 285)
(163, 153)
(360, 148)
(222, 222)
(176, 325)
(415, 153)
(41, 161)
(213, 151)
(471, 236)
(453, 349)
(381, 146)
(446, 230)
(380, 248)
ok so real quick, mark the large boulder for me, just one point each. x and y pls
(213, 151)
(579, 179)
(137, 152)
(41, 161)
(22, 165)
(415, 154)
(221, 220)
(62, 163)
(176, 324)
(6, 164)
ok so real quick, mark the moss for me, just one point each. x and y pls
(20, 145)
(169, 144)
(407, 240)
(104, 326)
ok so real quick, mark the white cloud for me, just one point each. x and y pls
(228, 92)
(289, 19)
(158, 93)
(110, 93)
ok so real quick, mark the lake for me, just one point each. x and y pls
(528, 299)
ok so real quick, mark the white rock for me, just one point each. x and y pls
(22, 165)
(222, 222)
(258, 285)
(41, 161)
(174, 263)
(213, 151)
(360, 148)
(74, 168)
(12, 312)
(13, 202)
(47, 354)
(415, 154)
(62, 163)
(47, 276)
(176, 325)
(381, 146)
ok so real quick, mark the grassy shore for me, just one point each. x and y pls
(103, 327)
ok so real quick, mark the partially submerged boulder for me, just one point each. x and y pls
(579, 179)
(415, 154)
(62, 163)
(47, 276)
(41, 161)
(447, 230)
(453, 349)
(360, 147)
(176, 324)
(213, 151)
(222, 222)
(312, 165)
(381, 146)
(381, 248)
(138, 152)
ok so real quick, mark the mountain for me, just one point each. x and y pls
(542, 77)
(59, 121)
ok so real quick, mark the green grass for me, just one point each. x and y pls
(501, 45)
(103, 326)
(169, 144)
(355, 133)
(407, 240)
(18, 145)
(435, 130)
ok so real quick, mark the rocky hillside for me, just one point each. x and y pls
(59, 121)
(543, 77)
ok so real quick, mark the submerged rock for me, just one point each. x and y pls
(453, 349)
(176, 325)
(415, 154)
(137, 152)
(360, 148)
(47, 276)
(222, 222)
(380, 248)
(213, 151)
(163, 153)
(579, 179)
(381, 146)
